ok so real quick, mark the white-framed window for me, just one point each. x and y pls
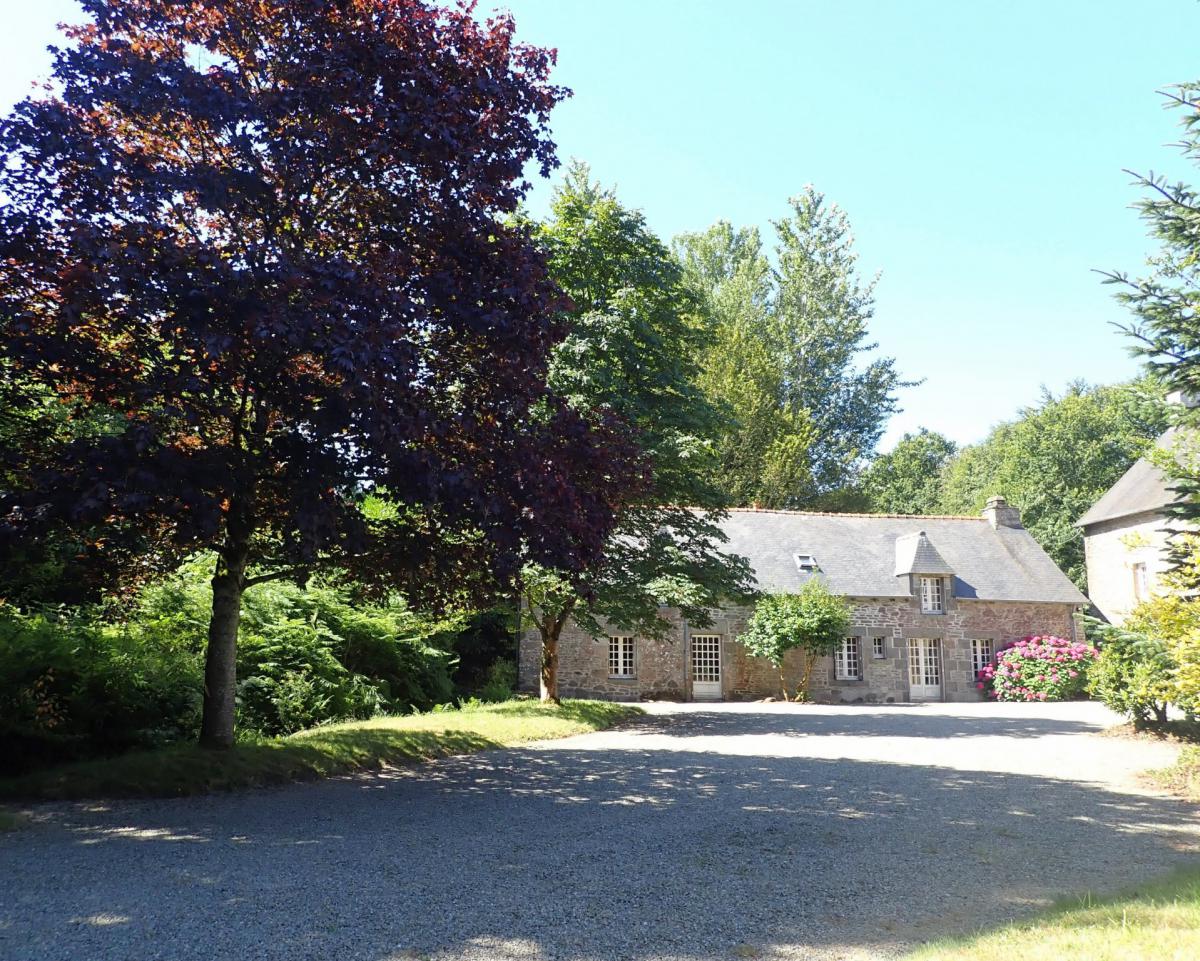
(981, 654)
(877, 646)
(933, 596)
(620, 656)
(846, 663)
(1141, 583)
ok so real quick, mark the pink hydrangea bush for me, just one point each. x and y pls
(1038, 668)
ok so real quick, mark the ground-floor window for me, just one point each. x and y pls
(847, 665)
(981, 654)
(877, 644)
(620, 656)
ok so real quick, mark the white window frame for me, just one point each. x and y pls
(981, 654)
(878, 646)
(933, 595)
(1141, 581)
(847, 660)
(622, 662)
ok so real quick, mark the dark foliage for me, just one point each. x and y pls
(267, 239)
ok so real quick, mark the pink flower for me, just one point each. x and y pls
(980, 685)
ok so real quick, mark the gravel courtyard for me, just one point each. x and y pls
(704, 831)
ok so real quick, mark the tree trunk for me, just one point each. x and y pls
(810, 661)
(220, 662)
(549, 680)
(783, 682)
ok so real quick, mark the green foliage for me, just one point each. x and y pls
(85, 681)
(763, 451)
(1133, 673)
(784, 361)
(1166, 301)
(1057, 459)
(813, 621)
(635, 336)
(501, 683)
(908, 479)
(1153, 659)
(74, 685)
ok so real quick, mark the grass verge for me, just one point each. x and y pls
(1159, 921)
(316, 753)
(10, 821)
(1182, 777)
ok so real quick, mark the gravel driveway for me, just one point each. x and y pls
(705, 831)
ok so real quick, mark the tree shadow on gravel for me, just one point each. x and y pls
(858, 722)
(577, 855)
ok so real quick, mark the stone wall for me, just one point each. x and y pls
(661, 666)
(1112, 548)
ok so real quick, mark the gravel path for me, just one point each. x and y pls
(706, 831)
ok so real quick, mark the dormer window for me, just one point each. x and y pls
(805, 563)
(933, 596)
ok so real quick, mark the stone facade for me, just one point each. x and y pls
(661, 667)
(1113, 549)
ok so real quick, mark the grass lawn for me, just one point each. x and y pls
(319, 752)
(1156, 922)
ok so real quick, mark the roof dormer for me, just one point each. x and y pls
(915, 554)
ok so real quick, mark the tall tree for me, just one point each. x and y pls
(786, 361)
(1166, 301)
(763, 453)
(1057, 459)
(908, 479)
(821, 317)
(634, 336)
(268, 237)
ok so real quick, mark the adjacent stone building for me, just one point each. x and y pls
(1125, 535)
(931, 599)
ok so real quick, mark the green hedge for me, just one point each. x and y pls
(82, 682)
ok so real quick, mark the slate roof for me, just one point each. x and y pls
(856, 554)
(915, 554)
(1143, 489)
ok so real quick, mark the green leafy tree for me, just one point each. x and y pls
(785, 358)
(763, 451)
(908, 479)
(812, 621)
(1057, 459)
(630, 354)
(270, 237)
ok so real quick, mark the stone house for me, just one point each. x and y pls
(931, 599)
(1125, 534)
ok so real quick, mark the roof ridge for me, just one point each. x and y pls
(903, 517)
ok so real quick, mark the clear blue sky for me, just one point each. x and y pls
(977, 147)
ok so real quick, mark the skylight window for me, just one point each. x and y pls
(805, 563)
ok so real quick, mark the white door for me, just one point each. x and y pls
(706, 667)
(924, 669)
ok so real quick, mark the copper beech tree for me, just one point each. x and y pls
(269, 242)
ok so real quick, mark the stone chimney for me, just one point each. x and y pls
(1000, 514)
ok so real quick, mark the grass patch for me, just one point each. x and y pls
(320, 752)
(1182, 777)
(1158, 921)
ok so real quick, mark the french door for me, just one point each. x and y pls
(706, 667)
(924, 669)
